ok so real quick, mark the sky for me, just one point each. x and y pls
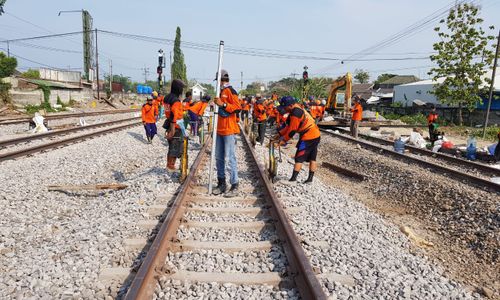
(312, 30)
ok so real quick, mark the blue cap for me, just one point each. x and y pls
(287, 101)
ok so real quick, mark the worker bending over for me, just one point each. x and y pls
(149, 115)
(357, 116)
(196, 111)
(300, 121)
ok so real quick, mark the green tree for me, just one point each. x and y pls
(463, 54)
(178, 65)
(31, 74)
(383, 77)
(2, 3)
(361, 76)
(7, 65)
(210, 89)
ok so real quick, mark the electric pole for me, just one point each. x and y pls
(97, 65)
(111, 76)
(8, 50)
(146, 73)
(490, 97)
(241, 84)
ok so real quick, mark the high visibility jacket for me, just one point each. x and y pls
(259, 112)
(357, 112)
(245, 105)
(186, 104)
(432, 118)
(174, 110)
(198, 108)
(315, 111)
(270, 110)
(229, 125)
(302, 123)
(149, 113)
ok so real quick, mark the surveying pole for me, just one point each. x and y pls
(216, 112)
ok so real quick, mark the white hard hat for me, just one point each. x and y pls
(323, 102)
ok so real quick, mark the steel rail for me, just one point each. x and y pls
(60, 132)
(46, 146)
(144, 283)
(64, 116)
(425, 152)
(455, 173)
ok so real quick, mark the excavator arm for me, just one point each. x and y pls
(344, 81)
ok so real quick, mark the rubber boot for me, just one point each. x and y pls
(233, 191)
(294, 176)
(310, 177)
(221, 187)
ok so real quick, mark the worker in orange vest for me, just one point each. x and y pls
(357, 116)
(174, 112)
(432, 123)
(149, 114)
(270, 112)
(301, 122)
(245, 108)
(259, 119)
(195, 112)
(227, 129)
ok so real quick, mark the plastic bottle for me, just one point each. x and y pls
(399, 146)
(471, 148)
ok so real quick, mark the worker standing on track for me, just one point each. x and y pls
(301, 122)
(227, 129)
(245, 108)
(196, 112)
(432, 124)
(259, 119)
(149, 115)
(357, 116)
(174, 112)
(270, 112)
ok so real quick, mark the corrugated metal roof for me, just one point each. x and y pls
(400, 79)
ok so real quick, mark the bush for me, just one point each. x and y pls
(31, 74)
(4, 91)
(418, 119)
(392, 116)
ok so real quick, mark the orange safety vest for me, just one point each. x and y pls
(259, 112)
(357, 112)
(229, 125)
(149, 113)
(305, 126)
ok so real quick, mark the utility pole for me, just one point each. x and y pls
(294, 75)
(146, 73)
(110, 76)
(492, 85)
(241, 85)
(8, 50)
(171, 75)
(97, 65)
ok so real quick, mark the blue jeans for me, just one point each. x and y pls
(225, 146)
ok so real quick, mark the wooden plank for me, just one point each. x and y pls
(344, 171)
(270, 278)
(87, 187)
(186, 245)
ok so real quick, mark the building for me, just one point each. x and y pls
(384, 91)
(411, 93)
(198, 91)
(363, 90)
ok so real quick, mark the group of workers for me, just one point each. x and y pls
(189, 111)
(288, 115)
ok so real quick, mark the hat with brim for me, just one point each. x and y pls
(223, 75)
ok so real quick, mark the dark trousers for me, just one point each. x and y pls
(243, 115)
(262, 132)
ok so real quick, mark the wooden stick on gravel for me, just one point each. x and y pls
(343, 171)
(87, 187)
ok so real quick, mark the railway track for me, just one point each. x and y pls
(20, 120)
(255, 223)
(463, 170)
(62, 142)
(53, 133)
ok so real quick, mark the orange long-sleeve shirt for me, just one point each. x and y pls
(357, 112)
(149, 113)
(229, 125)
(302, 123)
(176, 113)
(259, 111)
(198, 108)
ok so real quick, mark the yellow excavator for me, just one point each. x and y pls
(341, 82)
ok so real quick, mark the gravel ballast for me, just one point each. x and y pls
(55, 244)
(361, 244)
